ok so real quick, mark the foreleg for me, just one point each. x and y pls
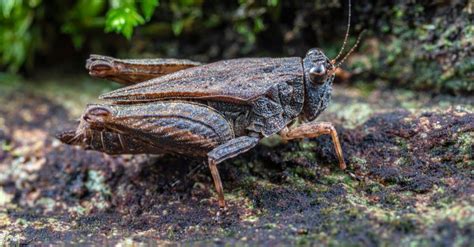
(315, 129)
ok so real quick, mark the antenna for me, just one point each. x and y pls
(347, 33)
(352, 49)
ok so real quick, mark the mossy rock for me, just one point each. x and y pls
(408, 181)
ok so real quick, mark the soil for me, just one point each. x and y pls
(409, 178)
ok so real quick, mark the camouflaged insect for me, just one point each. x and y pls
(216, 110)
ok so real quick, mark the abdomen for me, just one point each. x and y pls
(174, 126)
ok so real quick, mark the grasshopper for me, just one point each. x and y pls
(216, 111)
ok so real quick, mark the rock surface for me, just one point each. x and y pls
(409, 180)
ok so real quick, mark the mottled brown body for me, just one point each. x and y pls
(218, 110)
(261, 94)
(171, 127)
(109, 142)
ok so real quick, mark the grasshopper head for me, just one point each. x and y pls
(318, 77)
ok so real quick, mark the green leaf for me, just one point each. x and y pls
(34, 3)
(177, 27)
(123, 20)
(187, 2)
(148, 7)
(258, 25)
(272, 3)
(244, 30)
(88, 8)
(85, 15)
(6, 6)
(115, 4)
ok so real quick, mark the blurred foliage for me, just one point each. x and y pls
(424, 45)
(17, 36)
(20, 21)
(23, 28)
(417, 44)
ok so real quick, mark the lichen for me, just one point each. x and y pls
(420, 46)
(407, 182)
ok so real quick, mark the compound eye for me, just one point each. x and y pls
(316, 72)
(312, 51)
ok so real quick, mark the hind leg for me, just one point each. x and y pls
(226, 151)
(131, 71)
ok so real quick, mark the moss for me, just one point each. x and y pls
(353, 114)
(361, 162)
(422, 46)
(304, 151)
(406, 183)
(96, 183)
(47, 203)
(465, 145)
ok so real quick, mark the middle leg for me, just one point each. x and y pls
(225, 151)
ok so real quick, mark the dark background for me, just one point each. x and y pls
(423, 45)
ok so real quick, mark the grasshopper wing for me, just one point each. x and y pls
(131, 71)
(236, 80)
